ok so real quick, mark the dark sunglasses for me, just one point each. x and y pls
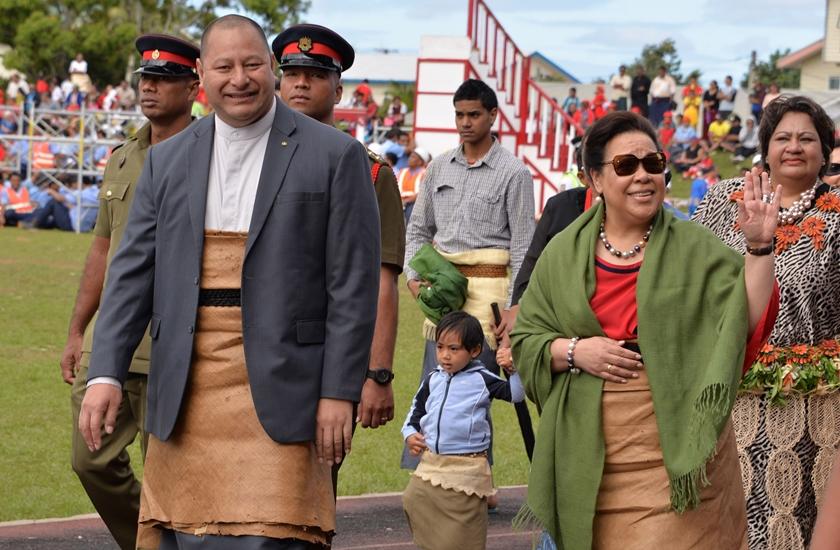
(624, 165)
(833, 169)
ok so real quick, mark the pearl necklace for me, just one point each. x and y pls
(624, 254)
(796, 210)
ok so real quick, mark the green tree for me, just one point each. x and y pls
(13, 13)
(46, 35)
(395, 89)
(696, 73)
(41, 46)
(655, 55)
(766, 72)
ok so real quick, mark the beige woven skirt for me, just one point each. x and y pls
(633, 508)
(445, 502)
(220, 473)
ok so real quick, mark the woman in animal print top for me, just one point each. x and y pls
(783, 418)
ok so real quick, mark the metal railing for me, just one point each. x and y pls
(542, 122)
(83, 139)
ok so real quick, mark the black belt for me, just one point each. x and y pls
(632, 346)
(219, 297)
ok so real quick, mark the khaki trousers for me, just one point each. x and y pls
(106, 475)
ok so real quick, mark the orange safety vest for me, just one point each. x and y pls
(42, 157)
(408, 181)
(19, 200)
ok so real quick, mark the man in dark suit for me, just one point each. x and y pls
(292, 189)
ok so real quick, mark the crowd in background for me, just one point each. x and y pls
(691, 122)
(51, 196)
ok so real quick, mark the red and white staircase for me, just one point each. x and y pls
(530, 123)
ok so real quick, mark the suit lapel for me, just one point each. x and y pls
(199, 155)
(278, 155)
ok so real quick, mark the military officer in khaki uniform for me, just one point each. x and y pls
(168, 85)
(312, 59)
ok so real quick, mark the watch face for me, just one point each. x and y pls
(383, 376)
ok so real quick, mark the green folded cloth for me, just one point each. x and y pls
(447, 290)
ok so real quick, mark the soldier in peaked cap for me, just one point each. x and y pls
(167, 86)
(308, 45)
(312, 59)
(166, 56)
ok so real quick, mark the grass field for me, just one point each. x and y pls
(39, 275)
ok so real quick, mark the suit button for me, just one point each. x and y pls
(195, 281)
(108, 193)
(191, 329)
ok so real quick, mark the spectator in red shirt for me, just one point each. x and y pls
(584, 116)
(598, 103)
(666, 130)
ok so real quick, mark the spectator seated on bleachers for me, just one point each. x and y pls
(696, 153)
(718, 130)
(732, 139)
(666, 131)
(16, 204)
(684, 135)
(747, 141)
(8, 124)
(68, 209)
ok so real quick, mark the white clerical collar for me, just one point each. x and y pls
(253, 130)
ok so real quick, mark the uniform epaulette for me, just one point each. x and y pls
(117, 146)
(376, 158)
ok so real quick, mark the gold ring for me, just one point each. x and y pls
(609, 368)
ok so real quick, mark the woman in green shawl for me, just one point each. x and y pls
(631, 339)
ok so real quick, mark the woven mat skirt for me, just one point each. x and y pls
(220, 473)
(633, 507)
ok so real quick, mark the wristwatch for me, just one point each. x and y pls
(380, 376)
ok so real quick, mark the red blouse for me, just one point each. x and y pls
(614, 304)
(614, 301)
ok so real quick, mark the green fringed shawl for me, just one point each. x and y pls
(693, 325)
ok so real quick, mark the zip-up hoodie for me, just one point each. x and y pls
(451, 410)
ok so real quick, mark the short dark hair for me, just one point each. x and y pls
(608, 127)
(782, 105)
(572, 89)
(465, 326)
(476, 89)
(393, 133)
(232, 21)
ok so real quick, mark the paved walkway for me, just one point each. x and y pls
(364, 523)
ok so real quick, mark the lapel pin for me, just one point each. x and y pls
(284, 143)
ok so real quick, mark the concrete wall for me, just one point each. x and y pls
(438, 79)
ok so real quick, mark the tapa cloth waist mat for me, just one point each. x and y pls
(633, 506)
(465, 474)
(220, 473)
(481, 291)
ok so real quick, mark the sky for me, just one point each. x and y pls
(590, 38)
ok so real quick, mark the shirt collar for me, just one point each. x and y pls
(489, 157)
(253, 130)
(144, 136)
